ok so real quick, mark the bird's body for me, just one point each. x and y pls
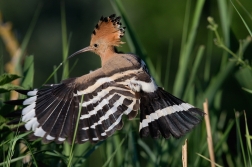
(122, 86)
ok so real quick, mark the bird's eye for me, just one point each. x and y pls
(95, 45)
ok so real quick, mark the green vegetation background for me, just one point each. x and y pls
(181, 52)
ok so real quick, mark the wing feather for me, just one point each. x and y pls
(51, 112)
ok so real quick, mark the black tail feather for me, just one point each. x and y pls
(14, 121)
(15, 102)
(165, 114)
(16, 113)
(24, 92)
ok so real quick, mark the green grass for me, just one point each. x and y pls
(125, 147)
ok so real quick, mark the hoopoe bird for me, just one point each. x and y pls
(122, 86)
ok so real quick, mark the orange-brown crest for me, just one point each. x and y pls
(108, 30)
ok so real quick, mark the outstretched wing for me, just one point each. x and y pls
(52, 112)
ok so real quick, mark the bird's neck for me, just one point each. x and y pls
(107, 54)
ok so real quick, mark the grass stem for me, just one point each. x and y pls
(209, 134)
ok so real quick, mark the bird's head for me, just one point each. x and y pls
(106, 35)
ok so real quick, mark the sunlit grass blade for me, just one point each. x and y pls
(185, 54)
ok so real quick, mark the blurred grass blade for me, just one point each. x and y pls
(185, 25)
(27, 37)
(194, 71)
(244, 77)
(1, 59)
(53, 73)
(132, 40)
(75, 132)
(209, 50)
(87, 153)
(246, 11)
(244, 22)
(185, 54)
(114, 153)
(224, 136)
(248, 140)
(168, 67)
(225, 18)
(208, 159)
(7, 163)
(30, 150)
(248, 90)
(217, 81)
(55, 77)
(6, 78)
(147, 150)
(12, 145)
(119, 154)
(65, 46)
(238, 131)
(28, 72)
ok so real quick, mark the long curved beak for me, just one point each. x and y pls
(81, 51)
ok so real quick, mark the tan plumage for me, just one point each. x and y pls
(106, 35)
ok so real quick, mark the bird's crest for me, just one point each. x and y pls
(108, 29)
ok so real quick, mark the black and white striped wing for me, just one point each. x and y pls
(51, 113)
(102, 111)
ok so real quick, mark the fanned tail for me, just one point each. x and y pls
(163, 114)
